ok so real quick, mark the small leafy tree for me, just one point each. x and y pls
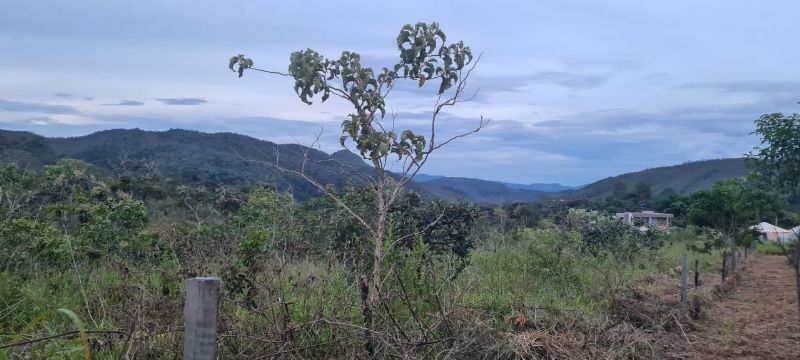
(779, 162)
(778, 159)
(732, 206)
(425, 57)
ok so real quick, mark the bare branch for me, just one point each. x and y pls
(270, 72)
(319, 187)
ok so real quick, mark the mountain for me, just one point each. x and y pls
(233, 159)
(425, 177)
(228, 159)
(188, 156)
(539, 187)
(479, 191)
(544, 187)
(683, 179)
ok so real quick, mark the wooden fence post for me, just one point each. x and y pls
(724, 266)
(696, 273)
(684, 281)
(200, 318)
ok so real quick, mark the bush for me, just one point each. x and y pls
(770, 248)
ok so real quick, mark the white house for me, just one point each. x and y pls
(645, 218)
(774, 233)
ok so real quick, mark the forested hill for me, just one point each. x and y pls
(479, 191)
(232, 159)
(226, 159)
(185, 156)
(683, 179)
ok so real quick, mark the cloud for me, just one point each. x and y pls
(182, 101)
(70, 120)
(754, 86)
(63, 95)
(18, 106)
(126, 103)
(559, 78)
(40, 121)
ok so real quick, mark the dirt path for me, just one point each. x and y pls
(758, 319)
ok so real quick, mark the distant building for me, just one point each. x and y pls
(767, 231)
(645, 218)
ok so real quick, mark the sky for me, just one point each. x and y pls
(576, 90)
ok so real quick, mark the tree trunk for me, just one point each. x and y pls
(372, 296)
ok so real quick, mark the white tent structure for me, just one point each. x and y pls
(773, 233)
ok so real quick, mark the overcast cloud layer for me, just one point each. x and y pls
(576, 90)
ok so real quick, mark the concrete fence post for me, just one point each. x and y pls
(684, 283)
(200, 318)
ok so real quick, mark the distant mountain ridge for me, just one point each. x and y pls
(228, 159)
(683, 179)
(542, 187)
(479, 191)
(234, 159)
(183, 155)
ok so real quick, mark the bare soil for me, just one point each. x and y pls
(757, 319)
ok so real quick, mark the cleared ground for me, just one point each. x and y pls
(758, 319)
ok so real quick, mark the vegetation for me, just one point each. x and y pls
(459, 280)
(779, 158)
(118, 260)
(678, 179)
(94, 262)
(224, 159)
(95, 257)
(778, 163)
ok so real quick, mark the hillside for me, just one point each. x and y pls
(479, 191)
(228, 159)
(233, 159)
(683, 179)
(185, 156)
(542, 187)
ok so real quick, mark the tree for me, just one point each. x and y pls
(779, 162)
(643, 191)
(779, 157)
(425, 56)
(732, 206)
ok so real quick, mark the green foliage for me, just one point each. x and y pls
(241, 64)
(606, 235)
(424, 56)
(547, 269)
(770, 248)
(132, 256)
(26, 243)
(779, 159)
(731, 207)
(106, 225)
(443, 226)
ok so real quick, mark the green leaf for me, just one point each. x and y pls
(79, 324)
(233, 61)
